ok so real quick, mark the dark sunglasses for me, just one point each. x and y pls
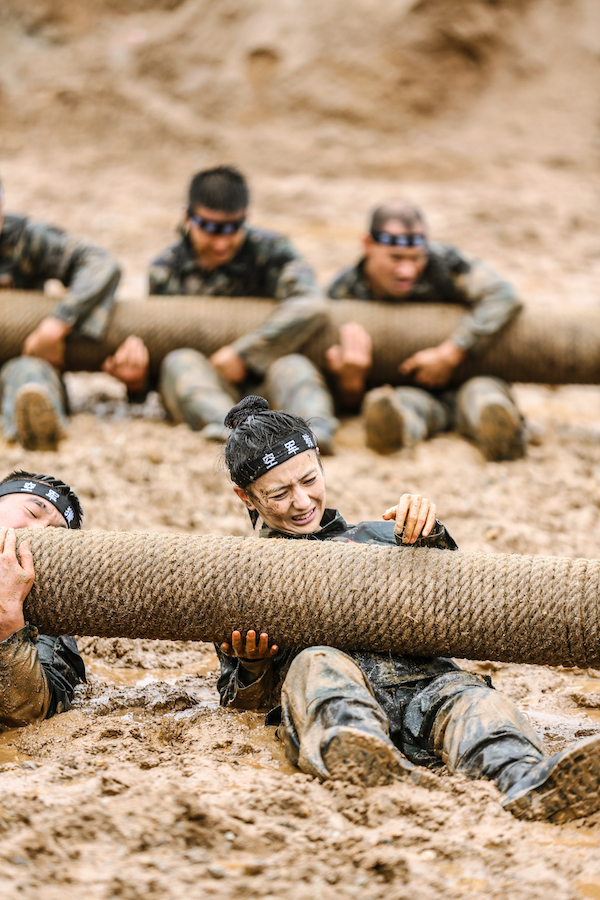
(399, 240)
(211, 227)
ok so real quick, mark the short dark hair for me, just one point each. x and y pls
(223, 189)
(406, 213)
(55, 483)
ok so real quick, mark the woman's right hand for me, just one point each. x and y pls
(250, 648)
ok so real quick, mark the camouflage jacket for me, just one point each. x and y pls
(32, 252)
(266, 265)
(245, 684)
(38, 675)
(449, 277)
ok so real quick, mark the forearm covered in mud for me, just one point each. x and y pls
(493, 301)
(285, 331)
(38, 675)
(24, 690)
(245, 684)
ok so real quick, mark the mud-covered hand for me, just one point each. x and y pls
(47, 341)
(16, 580)
(229, 365)
(414, 517)
(434, 366)
(130, 363)
(351, 361)
(251, 648)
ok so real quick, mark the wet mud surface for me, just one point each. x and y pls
(486, 115)
(148, 789)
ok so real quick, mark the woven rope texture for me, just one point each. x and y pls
(526, 609)
(555, 347)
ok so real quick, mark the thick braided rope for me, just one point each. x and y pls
(553, 346)
(530, 609)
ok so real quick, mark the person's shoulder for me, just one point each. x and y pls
(268, 244)
(169, 255)
(348, 284)
(449, 256)
(12, 228)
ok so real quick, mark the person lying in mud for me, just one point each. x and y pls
(373, 717)
(38, 673)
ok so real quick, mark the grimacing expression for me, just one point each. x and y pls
(394, 271)
(291, 497)
(213, 250)
(29, 511)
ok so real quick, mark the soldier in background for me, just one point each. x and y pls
(219, 254)
(32, 395)
(401, 265)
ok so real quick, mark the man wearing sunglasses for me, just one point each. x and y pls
(219, 254)
(401, 264)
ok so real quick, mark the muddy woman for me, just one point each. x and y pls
(375, 717)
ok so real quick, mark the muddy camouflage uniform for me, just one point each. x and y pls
(450, 277)
(433, 711)
(266, 265)
(38, 676)
(31, 253)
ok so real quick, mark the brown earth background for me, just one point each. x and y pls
(485, 113)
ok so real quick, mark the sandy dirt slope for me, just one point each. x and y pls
(486, 114)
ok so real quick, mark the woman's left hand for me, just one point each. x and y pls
(414, 515)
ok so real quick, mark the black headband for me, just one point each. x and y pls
(399, 240)
(42, 489)
(289, 446)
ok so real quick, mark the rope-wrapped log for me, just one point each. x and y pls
(553, 346)
(528, 609)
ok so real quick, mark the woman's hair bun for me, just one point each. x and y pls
(247, 407)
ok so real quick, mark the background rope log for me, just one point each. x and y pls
(527, 609)
(552, 346)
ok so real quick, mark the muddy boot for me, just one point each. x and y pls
(332, 725)
(37, 420)
(487, 414)
(34, 403)
(401, 417)
(564, 787)
(364, 758)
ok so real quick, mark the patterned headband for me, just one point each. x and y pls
(41, 489)
(285, 449)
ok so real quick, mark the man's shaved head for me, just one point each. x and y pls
(407, 214)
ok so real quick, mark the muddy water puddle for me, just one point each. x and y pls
(136, 677)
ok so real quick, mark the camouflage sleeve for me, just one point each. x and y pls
(159, 277)
(285, 331)
(90, 273)
(245, 684)
(37, 677)
(295, 278)
(438, 538)
(493, 301)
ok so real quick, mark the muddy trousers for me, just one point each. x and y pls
(453, 718)
(483, 409)
(193, 392)
(28, 370)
